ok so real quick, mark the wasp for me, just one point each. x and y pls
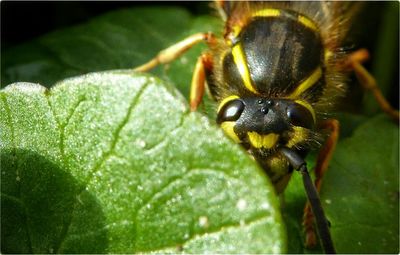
(278, 68)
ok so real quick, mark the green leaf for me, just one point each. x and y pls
(115, 163)
(117, 40)
(361, 189)
(385, 66)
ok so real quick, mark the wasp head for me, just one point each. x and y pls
(264, 124)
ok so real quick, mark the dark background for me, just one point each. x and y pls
(22, 21)
(25, 20)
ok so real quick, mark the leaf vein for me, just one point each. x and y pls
(97, 43)
(105, 156)
(61, 126)
(247, 223)
(54, 55)
(61, 136)
(171, 182)
(175, 129)
(13, 198)
(183, 176)
(146, 29)
(117, 132)
(258, 219)
(9, 119)
(64, 125)
(125, 33)
(16, 165)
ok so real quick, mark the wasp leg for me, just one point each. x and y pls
(368, 82)
(224, 8)
(324, 156)
(203, 66)
(173, 52)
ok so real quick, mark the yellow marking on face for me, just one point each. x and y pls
(226, 100)
(299, 135)
(241, 64)
(308, 107)
(227, 127)
(307, 83)
(262, 141)
(307, 22)
(266, 13)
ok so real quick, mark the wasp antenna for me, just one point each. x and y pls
(300, 165)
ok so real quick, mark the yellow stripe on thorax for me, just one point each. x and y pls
(269, 12)
(307, 22)
(241, 64)
(266, 13)
(307, 83)
(236, 29)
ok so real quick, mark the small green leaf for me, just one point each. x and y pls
(115, 163)
(361, 189)
(385, 66)
(117, 40)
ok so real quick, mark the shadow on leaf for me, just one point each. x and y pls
(45, 210)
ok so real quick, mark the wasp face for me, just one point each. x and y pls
(264, 124)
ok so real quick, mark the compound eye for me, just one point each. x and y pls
(230, 111)
(300, 116)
